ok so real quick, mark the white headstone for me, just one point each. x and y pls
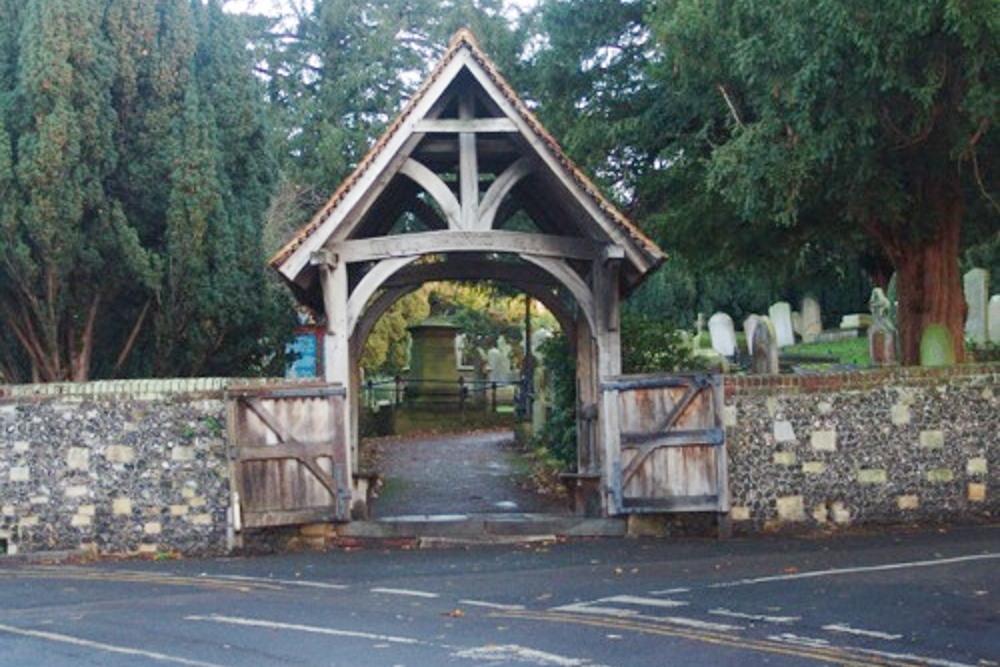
(781, 319)
(749, 324)
(720, 328)
(977, 294)
(493, 365)
(994, 319)
(812, 320)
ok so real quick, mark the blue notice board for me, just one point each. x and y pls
(305, 354)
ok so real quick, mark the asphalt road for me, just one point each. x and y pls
(906, 599)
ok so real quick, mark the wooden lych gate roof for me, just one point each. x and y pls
(466, 170)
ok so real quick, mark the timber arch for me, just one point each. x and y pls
(467, 185)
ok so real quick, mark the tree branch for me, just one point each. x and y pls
(732, 107)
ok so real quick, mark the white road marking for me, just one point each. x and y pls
(517, 653)
(909, 657)
(846, 629)
(699, 625)
(311, 629)
(596, 610)
(106, 648)
(283, 582)
(406, 592)
(796, 640)
(754, 617)
(671, 591)
(492, 605)
(649, 602)
(856, 570)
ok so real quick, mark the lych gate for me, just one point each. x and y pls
(467, 184)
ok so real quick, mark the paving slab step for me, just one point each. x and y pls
(485, 527)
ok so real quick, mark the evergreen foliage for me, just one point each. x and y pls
(135, 170)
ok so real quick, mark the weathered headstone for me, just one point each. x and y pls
(882, 333)
(781, 320)
(720, 328)
(936, 347)
(812, 319)
(994, 319)
(749, 325)
(765, 349)
(977, 294)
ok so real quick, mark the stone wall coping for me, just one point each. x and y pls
(145, 389)
(859, 380)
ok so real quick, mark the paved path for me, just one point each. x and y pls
(469, 473)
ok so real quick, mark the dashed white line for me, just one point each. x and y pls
(856, 570)
(930, 662)
(846, 629)
(106, 648)
(754, 617)
(671, 591)
(312, 629)
(283, 582)
(797, 640)
(596, 610)
(405, 592)
(508, 652)
(492, 605)
(649, 602)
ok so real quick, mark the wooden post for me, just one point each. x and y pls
(608, 336)
(337, 363)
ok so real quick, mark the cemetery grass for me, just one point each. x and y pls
(853, 351)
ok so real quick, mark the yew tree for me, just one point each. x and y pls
(874, 117)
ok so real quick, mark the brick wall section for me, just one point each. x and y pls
(869, 447)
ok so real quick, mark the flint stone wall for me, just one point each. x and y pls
(114, 467)
(872, 447)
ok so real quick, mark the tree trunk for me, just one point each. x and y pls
(928, 277)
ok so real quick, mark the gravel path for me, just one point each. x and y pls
(469, 473)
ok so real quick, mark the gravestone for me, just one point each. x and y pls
(936, 347)
(780, 315)
(994, 319)
(765, 349)
(749, 325)
(812, 319)
(433, 367)
(720, 328)
(977, 294)
(881, 334)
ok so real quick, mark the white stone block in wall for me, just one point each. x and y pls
(932, 439)
(81, 520)
(783, 431)
(182, 454)
(19, 474)
(78, 458)
(119, 454)
(823, 441)
(900, 414)
(121, 506)
(791, 508)
(977, 466)
(76, 491)
(152, 528)
(908, 502)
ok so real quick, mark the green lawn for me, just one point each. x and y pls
(853, 351)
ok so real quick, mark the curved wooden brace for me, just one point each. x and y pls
(493, 198)
(370, 284)
(378, 307)
(562, 272)
(437, 189)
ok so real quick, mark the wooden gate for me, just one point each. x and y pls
(673, 453)
(288, 448)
